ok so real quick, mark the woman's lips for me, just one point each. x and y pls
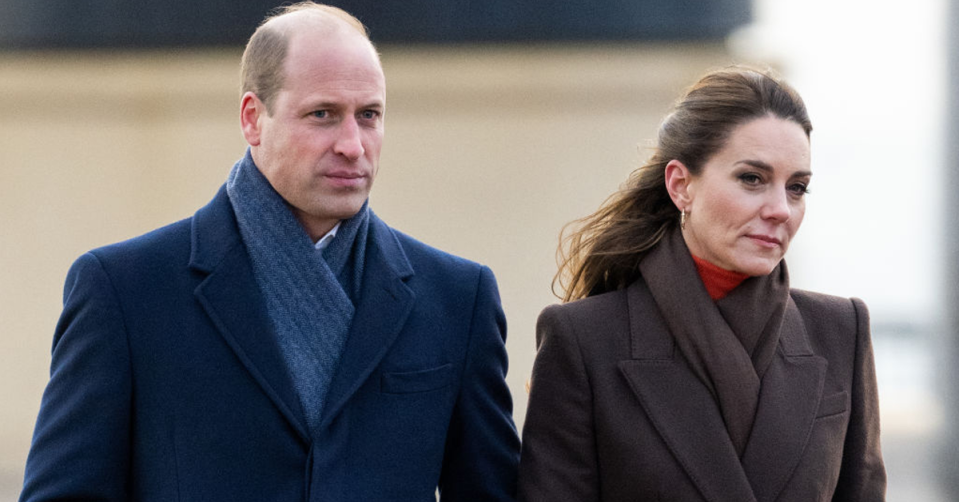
(765, 240)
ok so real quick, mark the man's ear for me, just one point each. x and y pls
(251, 110)
(678, 179)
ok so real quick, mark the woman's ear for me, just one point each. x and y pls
(678, 178)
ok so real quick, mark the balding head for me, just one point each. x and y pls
(262, 69)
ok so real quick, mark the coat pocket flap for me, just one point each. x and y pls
(832, 404)
(407, 382)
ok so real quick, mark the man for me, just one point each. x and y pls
(284, 343)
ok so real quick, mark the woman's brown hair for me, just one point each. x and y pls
(602, 251)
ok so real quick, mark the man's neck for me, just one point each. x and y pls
(316, 228)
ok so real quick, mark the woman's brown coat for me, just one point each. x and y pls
(616, 414)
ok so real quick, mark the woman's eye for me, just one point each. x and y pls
(750, 178)
(799, 189)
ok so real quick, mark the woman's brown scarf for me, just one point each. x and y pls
(729, 343)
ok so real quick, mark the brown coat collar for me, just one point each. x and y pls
(686, 415)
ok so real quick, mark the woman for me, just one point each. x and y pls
(683, 367)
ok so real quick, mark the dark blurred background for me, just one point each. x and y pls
(189, 23)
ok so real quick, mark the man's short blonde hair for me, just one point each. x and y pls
(261, 69)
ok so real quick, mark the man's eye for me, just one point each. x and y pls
(370, 114)
(321, 114)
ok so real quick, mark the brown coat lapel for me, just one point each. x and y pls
(788, 402)
(689, 421)
(680, 407)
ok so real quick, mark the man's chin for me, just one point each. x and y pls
(347, 210)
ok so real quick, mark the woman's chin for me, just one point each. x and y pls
(758, 266)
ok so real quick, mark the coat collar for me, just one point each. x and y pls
(230, 296)
(788, 403)
(385, 302)
(687, 417)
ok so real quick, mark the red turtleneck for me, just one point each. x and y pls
(718, 281)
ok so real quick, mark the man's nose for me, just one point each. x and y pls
(348, 142)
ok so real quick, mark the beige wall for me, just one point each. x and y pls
(488, 153)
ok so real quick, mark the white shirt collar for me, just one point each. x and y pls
(326, 239)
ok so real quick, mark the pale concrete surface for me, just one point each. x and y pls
(912, 412)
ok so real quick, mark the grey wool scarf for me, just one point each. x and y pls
(309, 294)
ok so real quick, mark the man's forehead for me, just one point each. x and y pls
(322, 65)
(319, 31)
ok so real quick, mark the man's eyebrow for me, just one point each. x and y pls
(337, 104)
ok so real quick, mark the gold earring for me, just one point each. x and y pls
(682, 220)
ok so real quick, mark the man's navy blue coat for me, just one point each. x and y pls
(167, 383)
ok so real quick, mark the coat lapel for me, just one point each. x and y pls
(385, 302)
(680, 407)
(788, 403)
(231, 298)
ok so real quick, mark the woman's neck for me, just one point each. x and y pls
(718, 281)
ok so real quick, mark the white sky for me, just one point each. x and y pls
(873, 75)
